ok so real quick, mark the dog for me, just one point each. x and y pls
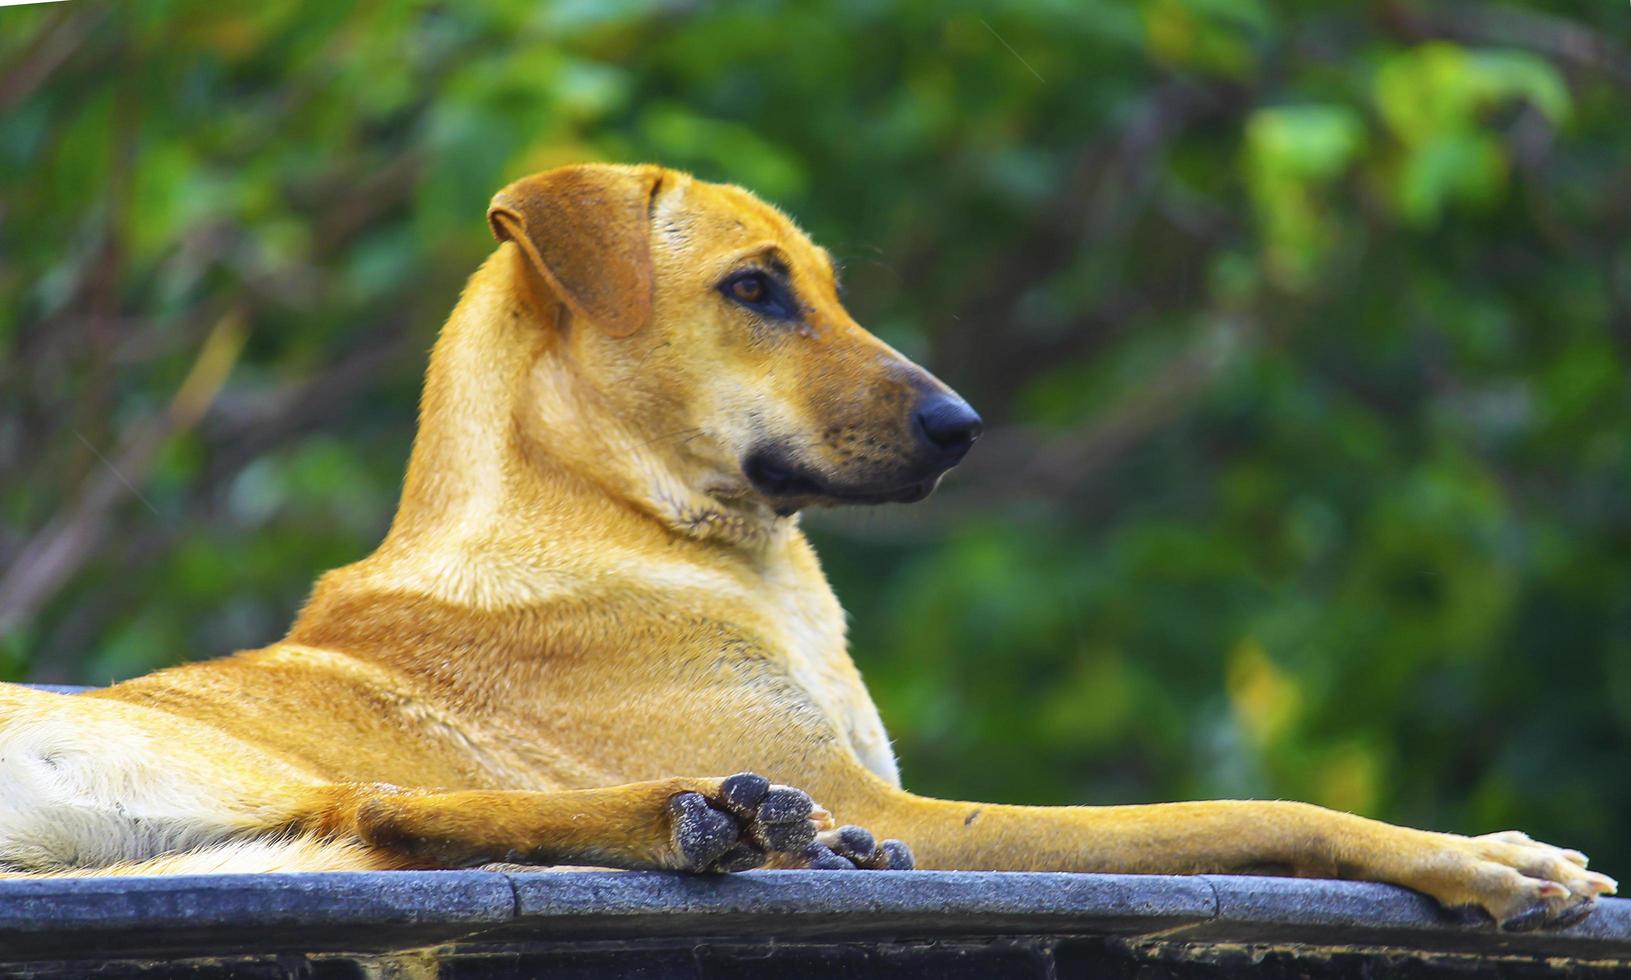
(595, 587)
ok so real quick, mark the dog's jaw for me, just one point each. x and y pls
(691, 497)
(722, 510)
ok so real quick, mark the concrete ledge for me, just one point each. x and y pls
(925, 923)
(1016, 924)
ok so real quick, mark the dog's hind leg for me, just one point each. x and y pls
(690, 824)
(89, 782)
(245, 855)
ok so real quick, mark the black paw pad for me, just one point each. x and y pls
(742, 857)
(896, 856)
(702, 833)
(1572, 916)
(820, 857)
(784, 804)
(793, 837)
(853, 842)
(1468, 915)
(1529, 919)
(743, 792)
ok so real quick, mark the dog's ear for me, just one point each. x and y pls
(587, 230)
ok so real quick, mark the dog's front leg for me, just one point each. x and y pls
(1520, 882)
(708, 824)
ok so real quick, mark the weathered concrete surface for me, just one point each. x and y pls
(492, 924)
(790, 923)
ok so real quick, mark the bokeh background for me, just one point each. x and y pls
(1302, 331)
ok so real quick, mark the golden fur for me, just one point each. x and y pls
(585, 595)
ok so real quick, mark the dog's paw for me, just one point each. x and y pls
(1511, 879)
(749, 823)
(850, 847)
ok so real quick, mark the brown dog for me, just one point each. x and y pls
(595, 582)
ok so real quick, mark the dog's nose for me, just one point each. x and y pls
(948, 424)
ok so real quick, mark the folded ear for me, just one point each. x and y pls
(587, 230)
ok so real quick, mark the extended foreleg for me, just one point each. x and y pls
(691, 824)
(1520, 882)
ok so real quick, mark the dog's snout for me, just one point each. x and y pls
(948, 424)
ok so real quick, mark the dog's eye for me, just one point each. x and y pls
(750, 289)
(758, 292)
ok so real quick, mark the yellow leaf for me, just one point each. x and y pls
(1265, 699)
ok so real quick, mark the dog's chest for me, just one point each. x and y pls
(812, 626)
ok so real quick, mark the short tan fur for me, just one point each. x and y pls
(595, 589)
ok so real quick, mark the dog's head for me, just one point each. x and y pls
(712, 329)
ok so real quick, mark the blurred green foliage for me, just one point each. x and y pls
(1301, 330)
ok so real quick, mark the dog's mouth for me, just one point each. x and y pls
(791, 485)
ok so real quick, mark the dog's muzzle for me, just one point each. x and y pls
(945, 428)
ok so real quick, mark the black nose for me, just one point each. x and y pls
(948, 424)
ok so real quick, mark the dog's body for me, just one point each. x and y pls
(594, 583)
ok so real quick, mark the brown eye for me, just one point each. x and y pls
(757, 291)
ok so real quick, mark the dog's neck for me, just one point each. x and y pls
(512, 441)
